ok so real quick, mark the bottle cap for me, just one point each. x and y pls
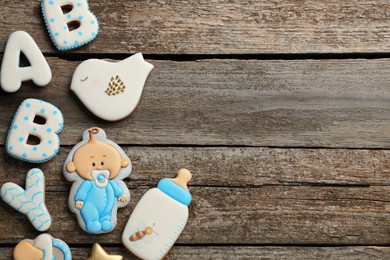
(176, 188)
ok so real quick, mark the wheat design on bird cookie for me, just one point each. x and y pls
(116, 86)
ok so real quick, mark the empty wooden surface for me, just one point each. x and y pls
(289, 150)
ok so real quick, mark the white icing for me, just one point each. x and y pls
(166, 216)
(12, 75)
(91, 80)
(23, 125)
(57, 23)
(44, 241)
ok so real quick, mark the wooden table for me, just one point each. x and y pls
(281, 110)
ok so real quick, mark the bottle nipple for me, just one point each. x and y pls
(182, 178)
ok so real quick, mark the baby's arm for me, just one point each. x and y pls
(118, 191)
(82, 193)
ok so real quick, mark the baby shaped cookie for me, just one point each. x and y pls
(69, 29)
(97, 167)
(44, 247)
(39, 121)
(30, 201)
(111, 90)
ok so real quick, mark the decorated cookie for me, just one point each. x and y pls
(110, 90)
(159, 218)
(12, 75)
(98, 253)
(33, 135)
(69, 22)
(44, 247)
(97, 167)
(30, 201)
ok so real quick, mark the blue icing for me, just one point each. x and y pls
(76, 42)
(174, 191)
(80, 33)
(28, 104)
(48, 130)
(92, 21)
(35, 148)
(69, 16)
(79, 4)
(44, 155)
(55, 112)
(80, 17)
(42, 110)
(21, 139)
(49, 141)
(65, 27)
(15, 126)
(65, 42)
(26, 118)
(24, 155)
(51, 2)
(51, 20)
(64, 248)
(11, 148)
(34, 129)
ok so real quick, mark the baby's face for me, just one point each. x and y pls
(97, 156)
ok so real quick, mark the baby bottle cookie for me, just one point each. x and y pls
(159, 218)
(97, 167)
(44, 247)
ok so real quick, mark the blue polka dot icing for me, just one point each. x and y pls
(55, 112)
(66, 41)
(76, 42)
(23, 124)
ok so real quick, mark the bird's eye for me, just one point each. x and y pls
(102, 163)
(93, 164)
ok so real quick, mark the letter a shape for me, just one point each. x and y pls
(12, 75)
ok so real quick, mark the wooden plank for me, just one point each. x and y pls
(230, 167)
(308, 103)
(221, 27)
(236, 252)
(266, 215)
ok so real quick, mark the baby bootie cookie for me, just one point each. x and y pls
(33, 135)
(111, 90)
(12, 75)
(30, 201)
(44, 247)
(72, 28)
(159, 218)
(97, 167)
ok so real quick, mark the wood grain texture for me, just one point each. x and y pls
(288, 215)
(308, 103)
(221, 27)
(230, 167)
(236, 252)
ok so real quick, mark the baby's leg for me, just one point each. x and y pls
(91, 217)
(106, 222)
